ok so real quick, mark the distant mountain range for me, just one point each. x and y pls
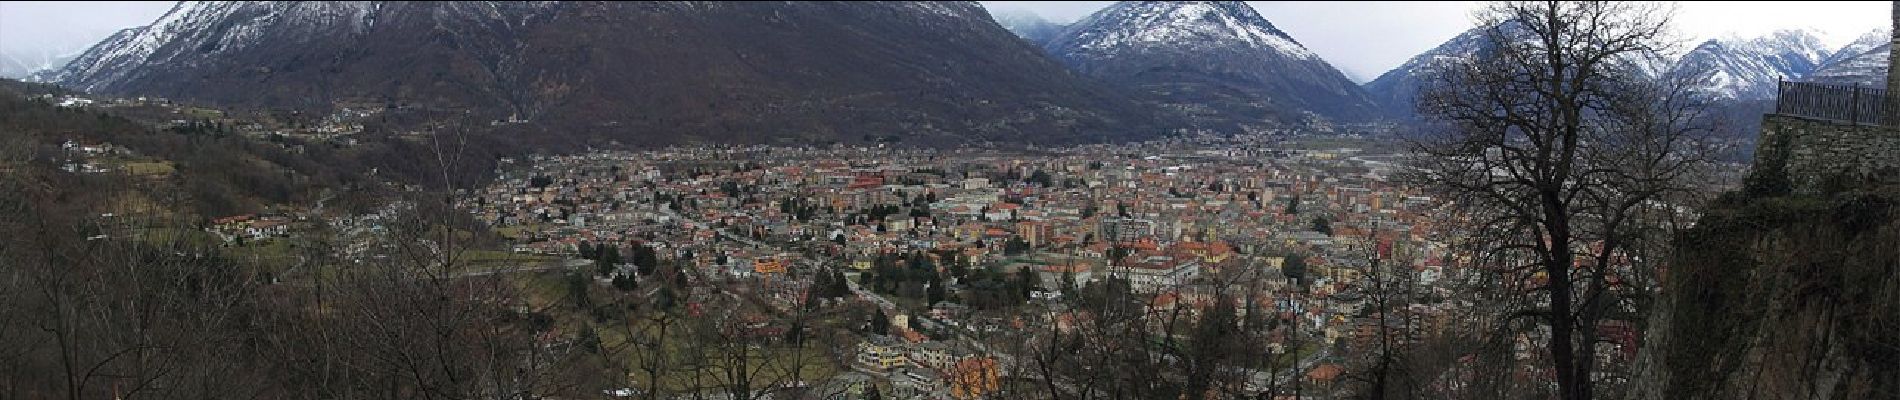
(1028, 26)
(1734, 70)
(20, 65)
(638, 72)
(1397, 90)
(1862, 62)
(816, 72)
(1747, 69)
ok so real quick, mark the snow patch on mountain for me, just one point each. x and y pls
(1748, 69)
(195, 31)
(23, 65)
(1397, 90)
(1219, 62)
(1183, 23)
(1863, 62)
(1027, 25)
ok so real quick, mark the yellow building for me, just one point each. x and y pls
(882, 352)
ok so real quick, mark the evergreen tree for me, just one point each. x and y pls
(880, 323)
(666, 299)
(645, 259)
(1027, 280)
(588, 339)
(1294, 267)
(625, 283)
(935, 293)
(577, 291)
(839, 287)
(607, 257)
(1041, 178)
(587, 250)
(1068, 281)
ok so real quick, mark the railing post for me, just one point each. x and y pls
(1853, 107)
(1781, 92)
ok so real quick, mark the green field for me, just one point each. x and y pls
(513, 232)
(1284, 361)
(149, 168)
(272, 255)
(499, 256)
(181, 236)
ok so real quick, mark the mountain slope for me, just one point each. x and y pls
(1219, 61)
(1739, 72)
(1747, 69)
(25, 64)
(647, 72)
(1028, 26)
(1862, 62)
(1397, 90)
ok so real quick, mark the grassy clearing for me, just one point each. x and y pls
(203, 112)
(132, 202)
(688, 361)
(514, 232)
(273, 255)
(1287, 360)
(488, 257)
(149, 168)
(185, 237)
(705, 365)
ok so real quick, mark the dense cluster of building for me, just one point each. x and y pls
(1165, 218)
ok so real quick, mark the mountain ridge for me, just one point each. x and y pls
(1220, 62)
(779, 72)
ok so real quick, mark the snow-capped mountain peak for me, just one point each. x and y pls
(203, 29)
(1178, 23)
(1863, 61)
(1220, 62)
(1748, 69)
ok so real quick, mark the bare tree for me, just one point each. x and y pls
(1202, 339)
(1564, 156)
(1387, 288)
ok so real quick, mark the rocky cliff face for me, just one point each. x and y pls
(645, 72)
(1220, 62)
(1776, 296)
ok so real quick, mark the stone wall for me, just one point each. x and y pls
(1811, 151)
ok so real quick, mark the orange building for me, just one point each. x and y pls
(974, 377)
(768, 265)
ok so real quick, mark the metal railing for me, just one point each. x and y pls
(1853, 104)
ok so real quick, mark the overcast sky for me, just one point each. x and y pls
(65, 26)
(1363, 39)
